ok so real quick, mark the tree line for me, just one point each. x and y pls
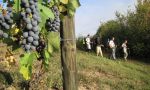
(134, 26)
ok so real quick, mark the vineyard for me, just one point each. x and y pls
(30, 32)
(38, 48)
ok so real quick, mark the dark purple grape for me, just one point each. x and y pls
(28, 21)
(25, 34)
(31, 33)
(1, 32)
(28, 10)
(5, 35)
(35, 37)
(33, 48)
(35, 17)
(27, 5)
(36, 43)
(31, 2)
(4, 24)
(30, 39)
(24, 41)
(7, 26)
(34, 23)
(29, 26)
(35, 29)
(27, 47)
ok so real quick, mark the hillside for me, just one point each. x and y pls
(95, 73)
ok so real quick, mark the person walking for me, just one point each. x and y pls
(124, 46)
(113, 48)
(98, 47)
(88, 42)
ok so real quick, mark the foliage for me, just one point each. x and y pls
(53, 40)
(66, 7)
(26, 64)
(134, 27)
(81, 43)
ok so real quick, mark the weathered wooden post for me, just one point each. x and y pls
(68, 54)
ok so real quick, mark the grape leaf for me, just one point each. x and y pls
(64, 1)
(45, 10)
(43, 17)
(54, 40)
(72, 6)
(32, 57)
(26, 64)
(16, 5)
(28, 58)
(40, 1)
(46, 59)
(62, 8)
(45, 14)
(24, 59)
(50, 48)
(26, 72)
(46, 54)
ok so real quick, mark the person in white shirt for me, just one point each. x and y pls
(88, 42)
(113, 48)
(124, 46)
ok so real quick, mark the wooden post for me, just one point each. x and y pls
(68, 54)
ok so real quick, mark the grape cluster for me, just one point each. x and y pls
(31, 18)
(6, 20)
(53, 25)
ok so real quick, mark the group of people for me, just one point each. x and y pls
(111, 44)
(113, 47)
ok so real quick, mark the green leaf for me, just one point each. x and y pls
(28, 58)
(64, 1)
(62, 8)
(26, 72)
(50, 48)
(40, 1)
(72, 6)
(54, 40)
(32, 57)
(16, 5)
(45, 14)
(45, 10)
(26, 64)
(46, 54)
(24, 59)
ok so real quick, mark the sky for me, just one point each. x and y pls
(91, 13)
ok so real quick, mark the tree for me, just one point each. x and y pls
(134, 26)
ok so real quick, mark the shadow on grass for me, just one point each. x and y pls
(7, 77)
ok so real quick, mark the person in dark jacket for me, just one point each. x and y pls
(98, 46)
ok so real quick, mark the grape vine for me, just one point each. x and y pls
(31, 23)
(54, 25)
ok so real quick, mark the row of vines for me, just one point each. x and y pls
(34, 25)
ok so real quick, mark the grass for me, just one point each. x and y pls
(96, 73)
(112, 75)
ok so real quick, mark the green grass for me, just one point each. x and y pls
(114, 75)
(96, 73)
